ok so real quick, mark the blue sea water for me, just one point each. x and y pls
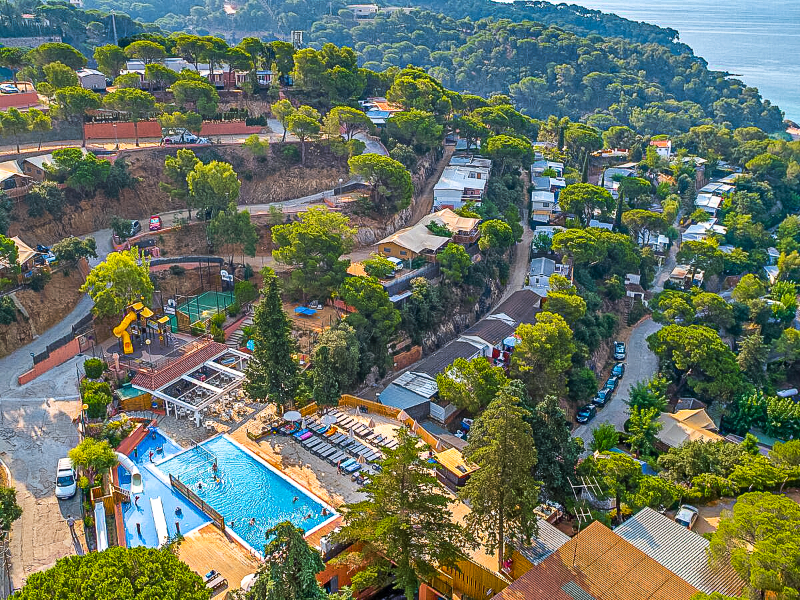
(759, 41)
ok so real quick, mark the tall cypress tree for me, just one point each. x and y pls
(272, 373)
(503, 491)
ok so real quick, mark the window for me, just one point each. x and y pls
(387, 250)
(403, 252)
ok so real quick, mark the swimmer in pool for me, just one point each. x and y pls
(324, 512)
(199, 485)
(178, 511)
(232, 523)
(295, 499)
(252, 521)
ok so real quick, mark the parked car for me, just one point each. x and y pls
(601, 397)
(611, 383)
(619, 350)
(687, 516)
(7, 88)
(586, 414)
(619, 370)
(136, 228)
(66, 481)
(183, 136)
(155, 223)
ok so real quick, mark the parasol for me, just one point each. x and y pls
(292, 415)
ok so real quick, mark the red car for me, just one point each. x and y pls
(155, 223)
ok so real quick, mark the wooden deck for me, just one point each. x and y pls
(208, 548)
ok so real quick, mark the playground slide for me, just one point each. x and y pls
(121, 330)
(160, 520)
(100, 526)
(137, 487)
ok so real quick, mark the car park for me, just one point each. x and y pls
(155, 223)
(601, 397)
(618, 371)
(611, 383)
(619, 350)
(586, 414)
(66, 481)
(687, 516)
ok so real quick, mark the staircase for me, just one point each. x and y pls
(120, 495)
(236, 337)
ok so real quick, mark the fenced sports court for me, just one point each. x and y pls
(200, 308)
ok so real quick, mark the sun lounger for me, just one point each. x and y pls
(305, 436)
(319, 428)
(348, 422)
(320, 447)
(301, 432)
(346, 463)
(325, 452)
(338, 438)
(329, 453)
(352, 468)
(217, 581)
(312, 442)
(361, 430)
(336, 457)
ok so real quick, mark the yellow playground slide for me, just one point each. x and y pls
(121, 330)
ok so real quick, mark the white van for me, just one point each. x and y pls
(66, 481)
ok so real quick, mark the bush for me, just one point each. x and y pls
(218, 319)
(177, 270)
(217, 333)
(291, 153)
(248, 271)
(245, 292)
(8, 310)
(38, 280)
(233, 309)
(98, 404)
(198, 328)
(94, 368)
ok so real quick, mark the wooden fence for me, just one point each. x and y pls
(393, 413)
(212, 514)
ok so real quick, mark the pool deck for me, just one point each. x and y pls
(208, 548)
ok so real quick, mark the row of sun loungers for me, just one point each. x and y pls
(347, 422)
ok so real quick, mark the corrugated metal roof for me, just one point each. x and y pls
(602, 565)
(441, 359)
(399, 397)
(680, 550)
(419, 383)
(549, 539)
(492, 331)
(522, 306)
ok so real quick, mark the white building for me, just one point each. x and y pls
(539, 274)
(709, 203)
(700, 232)
(543, 206)
(540, 166)
(459, 185)
(91, 79)
(663, 148)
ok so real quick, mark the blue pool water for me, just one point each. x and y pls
(249, 489)
(189, 517)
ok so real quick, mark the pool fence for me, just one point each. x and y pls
(212, 514)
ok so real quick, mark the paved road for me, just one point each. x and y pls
(33, 436)
(640, 365)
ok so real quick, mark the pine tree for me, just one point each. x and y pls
(503, 491)
(405, 525)
(290, 570)
(272, 372)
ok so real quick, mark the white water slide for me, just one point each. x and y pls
(160, 520)
(137, 487)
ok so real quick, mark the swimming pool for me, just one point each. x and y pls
(187, 517)
(249, 489)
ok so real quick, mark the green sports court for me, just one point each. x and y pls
(202, 307)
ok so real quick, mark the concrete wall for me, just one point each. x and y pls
(57, 357)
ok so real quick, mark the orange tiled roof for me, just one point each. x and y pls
(155, 379)
(602, 565)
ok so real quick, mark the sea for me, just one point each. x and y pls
(758, 41)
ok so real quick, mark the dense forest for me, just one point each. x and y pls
(550, 59)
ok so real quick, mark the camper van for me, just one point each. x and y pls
(66, 483)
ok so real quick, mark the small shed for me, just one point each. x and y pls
(91, 79)
(452, 470)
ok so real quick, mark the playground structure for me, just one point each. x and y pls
(141, 320)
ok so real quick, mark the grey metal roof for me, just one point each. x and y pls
(419, 383)
(492, 331)
(441, 359)
(548, 540)
(680, 550)
(521, 306)
(399, 397)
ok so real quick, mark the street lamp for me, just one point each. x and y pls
(340, 186)
(149, 356)
(116, 139)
